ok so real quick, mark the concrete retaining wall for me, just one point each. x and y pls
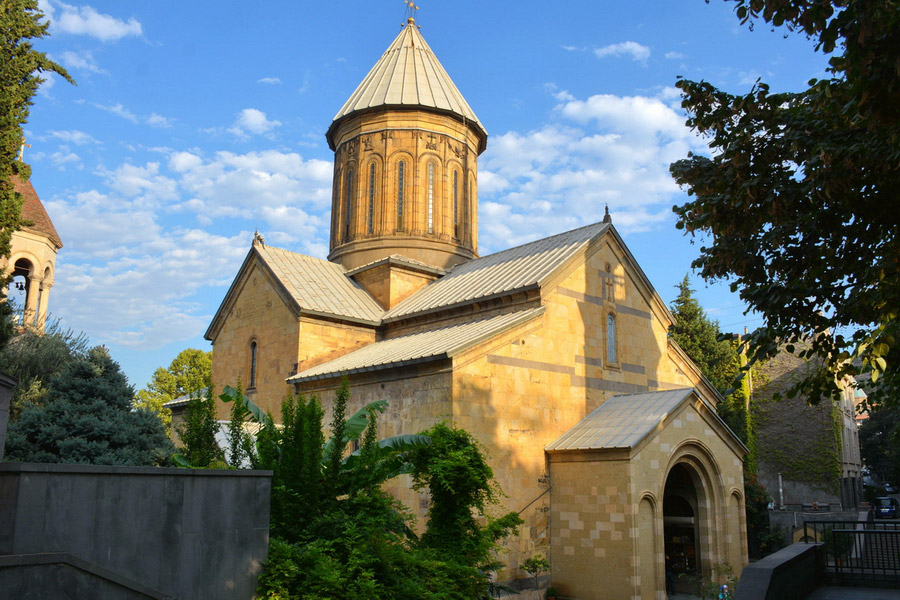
(181, 533)
(792, 572)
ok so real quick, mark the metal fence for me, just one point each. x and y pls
(858, 551)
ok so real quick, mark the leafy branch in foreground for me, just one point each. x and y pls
(797, 203)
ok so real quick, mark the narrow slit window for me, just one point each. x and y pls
(611, 340)
(456, 204)
(349, 205)
(400, 168)
(253, 352)
(371, 197)
(430, 197)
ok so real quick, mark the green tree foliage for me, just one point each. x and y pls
(86, 417)
(198, 432)
(718, 359)
(188, 373)
(698, 336)
(336, 534)
(33, 358)
(462, 487)
(879, 443)
(797, 205)
(20, 68)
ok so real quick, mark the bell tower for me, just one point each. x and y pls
(406, 148)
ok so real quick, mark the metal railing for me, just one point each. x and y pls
(858, 551)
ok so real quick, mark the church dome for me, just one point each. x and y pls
(406, 148)
(409, 75)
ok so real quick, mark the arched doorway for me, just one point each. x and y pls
(681, 525)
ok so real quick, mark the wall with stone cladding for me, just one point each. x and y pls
(320, 341)
(258, 314)
(591, 520)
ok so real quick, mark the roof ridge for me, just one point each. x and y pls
(543, 239)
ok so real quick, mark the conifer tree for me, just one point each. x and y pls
(199, 429)
(87, 418)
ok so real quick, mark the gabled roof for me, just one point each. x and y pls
(435, 344)
(319, 286)
(408, 75)
(622, 421)
(308, 285)
(520, 268)
(33, 210)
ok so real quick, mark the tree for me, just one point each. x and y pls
(198, 433)
(698, 336)
(879, 443)
(20, 66)
(797, 205)
(188, 373)
(34, 358)
(87, 418)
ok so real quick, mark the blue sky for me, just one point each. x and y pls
(195, 123)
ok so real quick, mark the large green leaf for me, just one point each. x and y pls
(356, 424)
(232, 395)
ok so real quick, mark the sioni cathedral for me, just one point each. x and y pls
(601, 431)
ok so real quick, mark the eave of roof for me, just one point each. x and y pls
(436, 344)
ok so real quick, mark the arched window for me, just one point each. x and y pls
(253, 361)
(400, 168)
(456, 204)
(371, 197)
(611, 357)
(430, 197)
(348, 208)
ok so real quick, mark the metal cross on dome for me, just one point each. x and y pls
(411, 10)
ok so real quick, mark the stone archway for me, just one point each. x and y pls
(692, 512)
(681, 528)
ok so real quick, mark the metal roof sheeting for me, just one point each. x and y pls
(417, 347)
(409, 74)
(319, 286)
(503, 272)
(622, 421)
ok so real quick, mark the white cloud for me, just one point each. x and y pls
(82, 62)
(636, 51)
(119, 111)
(136, 270)
(674, 55)
(269, 80)
(74, 136)
(85, 20)
(155, 120)
(602, 150)
(251, 120)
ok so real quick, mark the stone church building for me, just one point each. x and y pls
(601, 431)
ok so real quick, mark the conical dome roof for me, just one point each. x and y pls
(408, 75)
